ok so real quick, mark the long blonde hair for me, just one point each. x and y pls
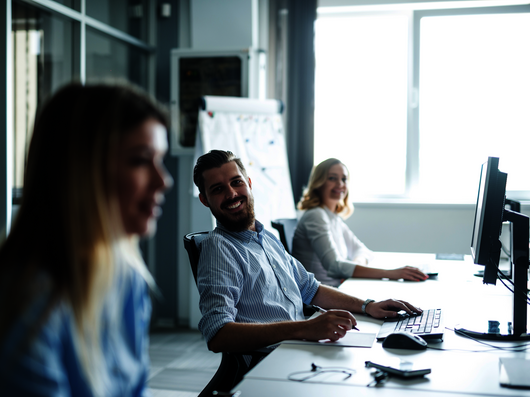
(68, 226)
(312, 196)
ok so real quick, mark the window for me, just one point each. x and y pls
(474, 100)
(361, 98)
(415, 101)
(48, 52)
(42, 62)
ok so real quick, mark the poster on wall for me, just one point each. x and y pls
(253, 130)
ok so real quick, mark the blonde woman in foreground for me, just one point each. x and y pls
(323, 243)
(73, 285)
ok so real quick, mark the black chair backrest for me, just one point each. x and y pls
(286, 228)
(191, 241)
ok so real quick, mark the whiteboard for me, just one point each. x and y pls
(253, 130)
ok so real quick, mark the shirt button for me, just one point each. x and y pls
(285, 289)
(274, 266)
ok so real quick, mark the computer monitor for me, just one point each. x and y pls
(490, 213)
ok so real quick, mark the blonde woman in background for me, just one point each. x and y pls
(323, 243)
(73, 285)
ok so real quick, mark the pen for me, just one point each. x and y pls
(320, 310)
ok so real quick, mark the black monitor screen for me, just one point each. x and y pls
(485, 243)
(486, 248)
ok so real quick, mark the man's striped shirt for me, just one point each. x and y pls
(248, 277)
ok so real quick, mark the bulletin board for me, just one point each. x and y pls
(253, 130)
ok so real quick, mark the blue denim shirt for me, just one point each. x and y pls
(49, 365)
(248, 277)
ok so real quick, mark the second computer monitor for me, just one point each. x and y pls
(485, 243)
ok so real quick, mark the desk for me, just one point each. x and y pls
(458, 371)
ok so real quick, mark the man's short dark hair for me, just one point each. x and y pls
(214, 159)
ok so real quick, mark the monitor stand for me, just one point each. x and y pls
(505, 267)
(494, 332)
(519, 259)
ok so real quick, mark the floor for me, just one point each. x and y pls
(181, 364)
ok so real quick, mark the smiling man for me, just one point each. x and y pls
(251, 290)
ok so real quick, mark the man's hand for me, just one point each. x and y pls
(406, 273)
(332, 325)
(389, 308)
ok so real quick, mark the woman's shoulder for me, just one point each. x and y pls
(316, 214)
(42, 322)
(41, 303)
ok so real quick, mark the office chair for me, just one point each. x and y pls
(233, 365)
(286, 228)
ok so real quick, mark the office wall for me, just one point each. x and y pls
(428, 228)
(163, 260)
(224, 24)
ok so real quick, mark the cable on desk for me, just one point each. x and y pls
(318, 370)
(517, 348)
(515, 290)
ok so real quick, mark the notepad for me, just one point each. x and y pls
(513, 372)
(351, 339)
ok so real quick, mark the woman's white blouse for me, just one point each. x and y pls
(326, 246)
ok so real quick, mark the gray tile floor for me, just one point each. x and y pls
(181, 364)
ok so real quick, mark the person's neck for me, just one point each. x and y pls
(232, 229)
(332, 206)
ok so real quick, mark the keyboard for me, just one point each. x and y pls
(428, 325)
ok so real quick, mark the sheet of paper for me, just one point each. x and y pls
(351, 339)
(513, 372)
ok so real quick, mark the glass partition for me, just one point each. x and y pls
(43, 60)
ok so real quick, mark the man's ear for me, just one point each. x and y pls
(249, 183)
(204, 201)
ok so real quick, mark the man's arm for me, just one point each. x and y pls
(246, 337)
(331, 325)
(332, 298)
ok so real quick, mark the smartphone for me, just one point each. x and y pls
(402, 373)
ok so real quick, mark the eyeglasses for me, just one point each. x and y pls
(316, 370)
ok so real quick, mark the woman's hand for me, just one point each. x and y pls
(407, 273)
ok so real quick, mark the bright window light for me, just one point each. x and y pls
(474, 101)
(471, 100)
(417, 5)
(361, 99)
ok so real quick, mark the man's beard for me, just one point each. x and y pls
(238, 221)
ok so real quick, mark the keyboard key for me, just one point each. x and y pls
(420, 324)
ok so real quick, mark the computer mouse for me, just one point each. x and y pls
(404, 340)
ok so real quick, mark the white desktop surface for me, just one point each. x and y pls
(461, 370)
(268, 388)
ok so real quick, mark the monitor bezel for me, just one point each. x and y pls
(489, 213)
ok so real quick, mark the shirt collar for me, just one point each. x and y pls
(331, 213)
(245, 235)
